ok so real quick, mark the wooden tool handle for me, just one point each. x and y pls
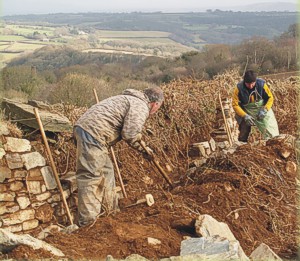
(156, 163)
(36, 112)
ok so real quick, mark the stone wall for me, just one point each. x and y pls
(219, 142)
(29, 196)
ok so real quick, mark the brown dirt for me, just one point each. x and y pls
(257, 205)
(244, 190)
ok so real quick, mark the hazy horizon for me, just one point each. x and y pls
(17, 7)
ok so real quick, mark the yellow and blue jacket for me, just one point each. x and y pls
(242, 96)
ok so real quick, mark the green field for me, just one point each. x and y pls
(29, 30)
(17, 46)
(14, 39)
(132, 34)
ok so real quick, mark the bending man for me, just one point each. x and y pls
(252, 103)
(104, 124)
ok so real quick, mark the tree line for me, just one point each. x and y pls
(61, 74)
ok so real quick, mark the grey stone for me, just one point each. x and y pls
(15, 186)
(136, 257)
(2, 153)
(291, 167)
(8, 207)
(207, 246)
(20, 174)
(48, 231)
(34, 173)
(48, 177)
(18, 217)
(43, 188)
(34, 187)
(70, 229)
(153, 241)
(8, 239)
(3, 128)
(44, 196)
(207, 226)
(212, 144)
(30, 224)
(39, 104)
(25, 115)
(9, 196)
(17, 145)
(14, 161)
(264, 252)
(14, 228)
(5, 173)
(23, 202)
(3, 188)
(33, 159)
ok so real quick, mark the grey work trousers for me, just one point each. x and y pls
(95, 178)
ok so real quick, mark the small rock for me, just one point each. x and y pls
(3, 128)
(2, 153)
(153, 241)
(264, 252)
(70, 229)
(291, 167)
(285, 153)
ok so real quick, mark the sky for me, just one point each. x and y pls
(11, 7)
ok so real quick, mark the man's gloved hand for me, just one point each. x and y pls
(262, 114)
(249, 120)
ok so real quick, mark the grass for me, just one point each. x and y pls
(29, 30)
(154, 41)
(132, 34)
(24, 46)
(11, 37)
(6, 57)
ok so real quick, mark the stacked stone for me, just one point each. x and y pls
(28, 192)
(220, 135)
(201, 151)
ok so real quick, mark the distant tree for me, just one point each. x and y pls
(288, 44)
(60, 31)
(21, 78)
(75, 89)
(255, 51)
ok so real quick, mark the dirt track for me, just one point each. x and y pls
(243, 190)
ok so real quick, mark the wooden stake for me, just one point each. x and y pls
(36, 112)
(227, 128)
(114, 157)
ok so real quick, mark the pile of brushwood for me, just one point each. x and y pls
(254, 189)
